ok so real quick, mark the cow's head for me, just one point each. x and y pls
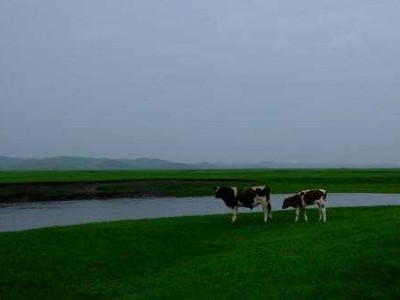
(218, 192)
(223, 192)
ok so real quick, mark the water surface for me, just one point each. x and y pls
(20, 216)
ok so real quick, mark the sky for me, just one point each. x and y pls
(193, 81)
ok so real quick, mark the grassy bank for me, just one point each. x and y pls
(47, 185)
(354, 255)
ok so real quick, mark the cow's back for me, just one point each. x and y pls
(248, 197)
(245, 196)
(310, 196)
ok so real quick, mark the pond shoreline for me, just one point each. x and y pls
(133, 189)
(143, 188)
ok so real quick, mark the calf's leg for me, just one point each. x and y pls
(297, 214)
(269, 209)
(320, 213)
(305, 214)
(322, 210)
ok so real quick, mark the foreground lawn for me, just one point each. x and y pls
(355, 254)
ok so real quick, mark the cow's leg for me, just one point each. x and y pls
(269, 209)
(297, 214)
(322, 210)
(305, 214)
(264, 205)
(235, 214)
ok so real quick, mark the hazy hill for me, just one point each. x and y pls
(84, 163)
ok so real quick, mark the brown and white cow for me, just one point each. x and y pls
(249, 197)
(300, 200)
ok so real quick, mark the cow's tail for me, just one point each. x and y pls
(268, 195)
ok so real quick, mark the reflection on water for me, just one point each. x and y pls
(19, 216)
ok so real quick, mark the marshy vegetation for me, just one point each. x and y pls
(64, 185)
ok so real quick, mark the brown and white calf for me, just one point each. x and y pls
(300, 200)
(249, 197)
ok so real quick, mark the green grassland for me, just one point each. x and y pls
(48, 185)
(354, 255)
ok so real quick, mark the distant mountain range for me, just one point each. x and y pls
(86, 163)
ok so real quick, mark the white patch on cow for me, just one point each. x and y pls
(235, 191)
(320, 201)
(304, 192)
(259, 199)
(261, 187)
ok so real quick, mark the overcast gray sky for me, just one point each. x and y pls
(286, 80)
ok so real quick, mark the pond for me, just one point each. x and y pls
(20, 216)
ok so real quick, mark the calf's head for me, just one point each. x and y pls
(292, 201)
(285, 203)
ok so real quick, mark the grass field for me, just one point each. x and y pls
(45, 185)
(354, 255)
